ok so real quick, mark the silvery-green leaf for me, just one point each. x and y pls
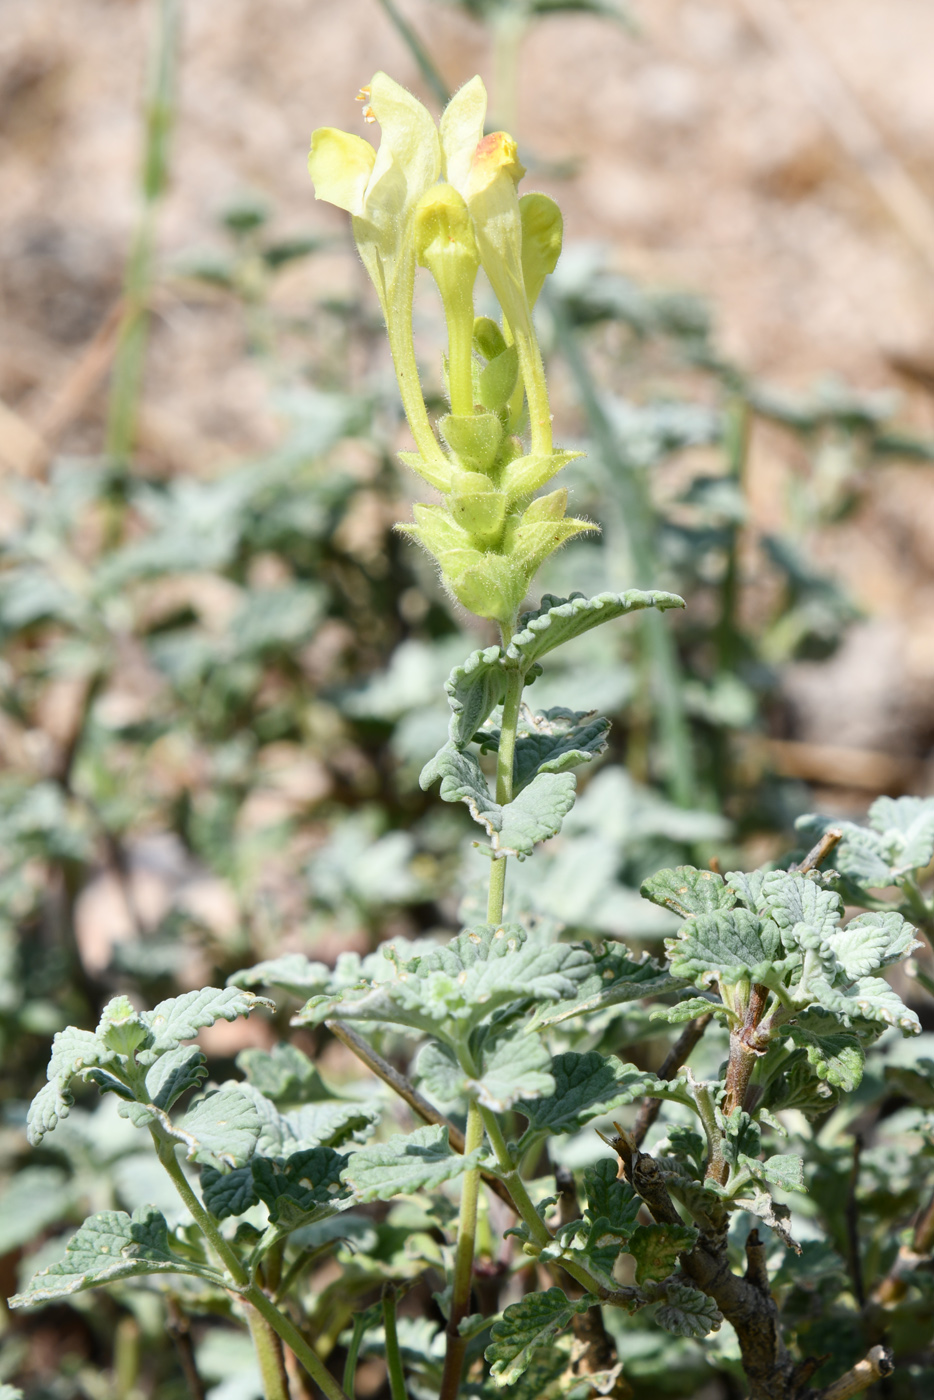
(747, 886)
(407, 1163)
(514, 1068)
(557, 620)
(181, 1018)
(328, 1123)
(10, 1392)
(474, 689)
(439, 1073)
(687, 891)
(615, 977)
(730, 946)
(449, 990)
(109, 1246)
(687, 1010)
(533, 1322)
(872, 941)
(791, 898)
(292, 972)
(859, 856)
(906, 825)
(551, 742)
(872, 999)
(836, 1057)
(687, 1312)
(515, 828)
(656, 1249)
(591, 1085)
(222, 1127)
(175, 1072)
(784, 1170)
(74, 1052)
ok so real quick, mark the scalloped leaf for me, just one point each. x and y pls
(174, 1073)
(532, 1322)
(906, 825)
(108, 1247)
(656, 1249)
(730, 946)
(873, 941)
(222, 1127)
(447, 991)
(474, 689)
(687, 1010)
(791, 898)
(283, 1073)
(869, 999)
(74, 1052)
(836, 1057)
(687, 890)
(514, 1068)
(552, 741)
(557, 620)
(590, 1085)
(616, 977)
(292, 972)
(326, 1123)
(687, 1312)
(514, 829)
(784, 1170)
(181, 1018)
(416, 1161)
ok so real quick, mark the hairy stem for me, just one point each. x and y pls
(717, 1166)
(289, 1333)
(463, 1263)
(435, 467)
(165, 1151)
(268, 1350)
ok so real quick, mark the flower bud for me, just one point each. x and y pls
(542, 232)
(478, 508)
(474, 440)
(488, 339)
(497, 380)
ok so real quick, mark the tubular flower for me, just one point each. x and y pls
(447, 200)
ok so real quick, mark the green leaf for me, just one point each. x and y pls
(611, 1215)
(728, 947)
(181, 1018)
(747, 886)
(791, 898)
(906, 825)
(222, 1127)
(687, 1010)
(687, 1312)
(417, 1161)
(228, 1193)
(302, 1188)
(474, 689)
(859, 856)
(551, 742)
(293, 973)
(559, 619)
(449, 990)
(327, 1123)
(836, 1057)
(872, 941)
(591, 1085)
(174, 1073)
(688, 891)
(533, 1322)
(784, 1170)
(869, 999)
(534, 815)
(514, 1068)
(656, 1249)
(616, 977)
(108, 1247)
(74, 1052)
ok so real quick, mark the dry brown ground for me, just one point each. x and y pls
(703, 164)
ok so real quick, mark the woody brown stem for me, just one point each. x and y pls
(819, 851)
(873, 1367)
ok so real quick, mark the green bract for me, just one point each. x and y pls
(447, 200)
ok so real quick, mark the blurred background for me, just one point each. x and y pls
(221, 672)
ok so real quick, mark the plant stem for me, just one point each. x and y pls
(393, 1355)
(434, 467)
(716, 1165)
(353, 1351)
(268, 1350)
(505, 762)
(286, 1329)
(463, 1262)
(165, 1151)
(126, 379)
